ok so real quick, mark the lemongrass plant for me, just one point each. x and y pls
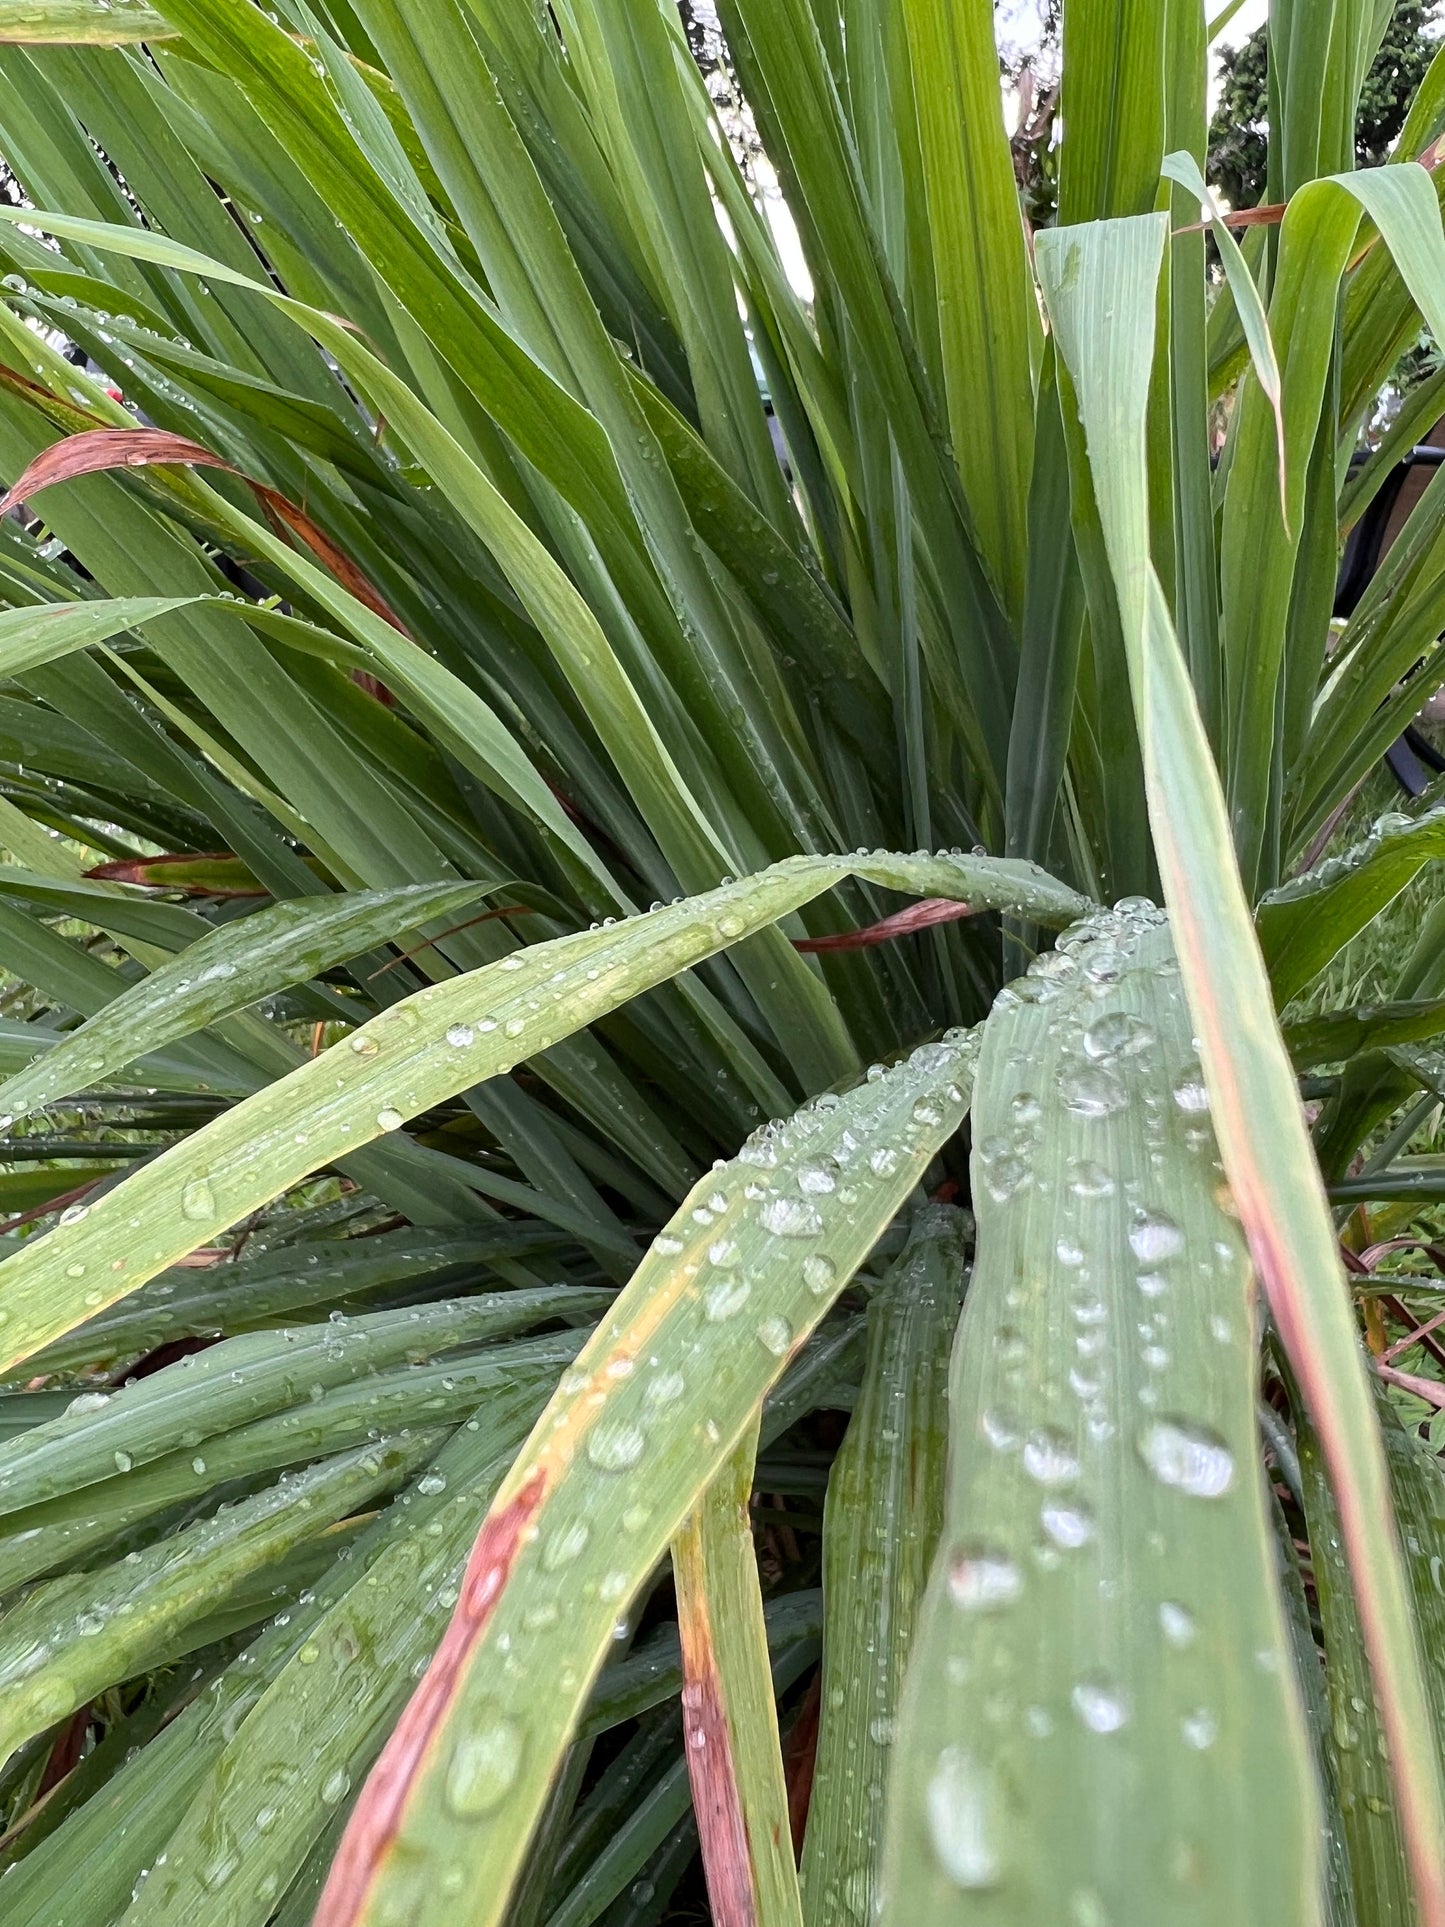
(858, 1392)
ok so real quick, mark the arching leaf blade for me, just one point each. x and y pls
(439, 1041)
(224, 972)
(1100, 285)
(635, 1434)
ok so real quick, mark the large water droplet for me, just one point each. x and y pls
(1050, 1458)
(1120, 1034)
(962, 1823)
(775, 1335)
(1004, 1177)
(789, 1217)
(1176, 1622)
(565, 1544)
(1154, 1236)
(1068, 1524)
(1089, 1180)
(198, 1201)
(982, 1578)
(1191, 1094)
(1099, 1704)
(1092, 1092)
(1187, 1457)
(999, 1428)
(721, 1300)
(615, 1445)
(820, 1274)
(816, 1179)
(484, 1766)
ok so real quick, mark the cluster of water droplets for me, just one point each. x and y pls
(787, 1195)
(1077, 1361)
(1332, 869)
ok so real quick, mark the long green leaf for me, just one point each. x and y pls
(1099, 1702)
(63, 1532)
(244, 1378)
(884, 1509)
(442, 1040)
(988, 317)
(261, 1788)
(71, 1638)
(640, 1428)
(1305, 923)
(224, 972)
(730, 1723)
(1100, 286)
(100, 23)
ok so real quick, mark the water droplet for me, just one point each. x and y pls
(1099, 1704)
(484, 1766)
(1086, 1909)
(565, 1544)
(1010, 1344)
(1000, 1429)
(1154, 1236)
(615, 1445)
(1004, 1176)
(820, 1274)
(1187, 1457)
(665, 1388)
(816, 1179)
(1089, 1180)
(790, 1217)
(1176, 1622)
(1092, 1092)
(1200, 1728)
(1049, 1457)
(1120, 1034)
(1068, 1525)
(1191, 1094)
(962, 1823)
(721, 1300)
(460, 1035)
(123, 1461)
(198, 1201)
(388, 1119)
(775, 1335)
(982, 1578)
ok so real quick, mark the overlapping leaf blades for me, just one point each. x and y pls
(635, 652)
